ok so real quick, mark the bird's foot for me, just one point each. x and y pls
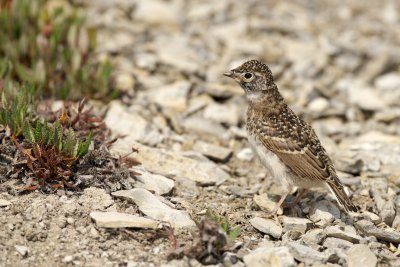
(274, 211)
(273, 214)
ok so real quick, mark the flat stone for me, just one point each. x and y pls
(154, 208)
(373, 140)
(132, 125)
(396, 223)
(369, 229)
(186, 188)
(361, 255)
(384, 199)
(159, 184)
(246, 154)
(68, 258)
(221, 90)
(387, 212)
(267, 226)
(172, 96)
(197, 103)
(242, 191)
(371, 99)
(305, 254)
(269, 256)
(333, 242)
(146, 61)
(348, 233)
(238, 133)
(318, 105)
(214, 152)
(333, 255)
(119, 220)
(324, 213)
(300, 225)
(387, 115)
(120, 40)
(388, 81)
(201, 125)
(124, 82)
(156, 12)
(372, 217)
(4, 203)
(349, 162)
(177, 51)
(23, 250)
(179, 263)
(173, 164)
(227, 114)
(265, 202)
(313, 237)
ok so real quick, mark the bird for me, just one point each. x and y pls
(285, 144)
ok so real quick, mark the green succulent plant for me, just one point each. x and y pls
(47, 136)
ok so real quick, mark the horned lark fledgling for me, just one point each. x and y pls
(286, 145)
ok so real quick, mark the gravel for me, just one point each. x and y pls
(369, 229)
(336, 65)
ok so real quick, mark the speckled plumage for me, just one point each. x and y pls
(286, 145)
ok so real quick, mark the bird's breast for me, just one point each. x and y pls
(271, 161)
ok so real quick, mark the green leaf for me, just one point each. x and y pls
(234, 233)
(24, 73)
(70, 145)
(57, 135)
(84, 146)
(46, 132)
(92, 36)
(38, 132)
(29, 133)
(5, 66)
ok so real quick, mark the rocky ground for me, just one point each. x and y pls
(336, 64)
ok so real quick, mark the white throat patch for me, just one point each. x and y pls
(253, 96)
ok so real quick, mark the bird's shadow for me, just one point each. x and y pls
(310, 204)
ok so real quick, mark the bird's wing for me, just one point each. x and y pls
(301, 151)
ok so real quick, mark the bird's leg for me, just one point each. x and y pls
(274, 211)
(296, 201)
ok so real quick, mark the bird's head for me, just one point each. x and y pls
(254, 77)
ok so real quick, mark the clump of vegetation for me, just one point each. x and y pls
(63, 140)
(45, 43)
(50, 153)
(215, 237)
(46, 53)
(231, 232)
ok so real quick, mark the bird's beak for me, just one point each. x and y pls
(229, 74)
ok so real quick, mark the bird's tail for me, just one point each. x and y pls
(342, 198)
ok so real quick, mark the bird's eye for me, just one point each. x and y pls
(248, 75)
